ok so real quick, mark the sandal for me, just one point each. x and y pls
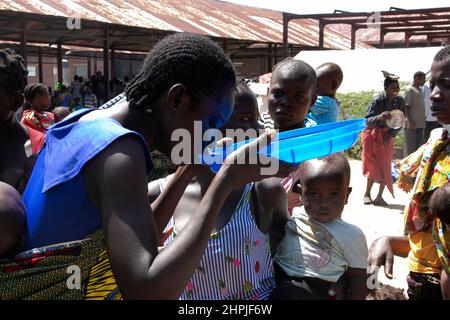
(380, 203)
(367, 200)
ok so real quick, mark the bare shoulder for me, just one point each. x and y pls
(269, 187)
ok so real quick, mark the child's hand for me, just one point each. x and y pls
(164, 236)
(239, 170)
(338, 289)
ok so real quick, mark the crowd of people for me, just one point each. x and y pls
(76, 185)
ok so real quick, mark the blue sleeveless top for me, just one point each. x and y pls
(58, 209)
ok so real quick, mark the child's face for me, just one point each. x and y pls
(245, 112)
(42, 101)
(440, 91)
(326, 85)
(290, 99)
(324, 196)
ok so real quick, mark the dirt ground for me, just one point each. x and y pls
(377, 221)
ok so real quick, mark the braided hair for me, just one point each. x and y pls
(193, 60)
(32, 91)
(13, 72)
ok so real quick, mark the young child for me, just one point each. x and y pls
(90, 99)
(329, 79)
(291, 96)
(15, 147)
(60, 113)
(12, 221)
(439, 205)
(77, 104)
(319, 247)
(237, 261)
(35, 116)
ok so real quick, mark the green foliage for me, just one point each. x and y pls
(354, 105)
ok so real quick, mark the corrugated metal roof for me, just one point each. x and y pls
(207, 17)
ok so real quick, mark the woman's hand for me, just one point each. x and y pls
(385, 115)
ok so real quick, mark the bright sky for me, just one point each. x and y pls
(328, 6)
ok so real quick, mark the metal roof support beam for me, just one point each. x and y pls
(353, 37)
(286, 18)
(95, 64)
(105, 58)
(275, 54)
(270, 59)
(365, 14)
(89, 70)
(387, 19)
(40, 69)
(382, 38)
(321, 34)
(441, 34)
(113, 63)
(413, 29)
(23, 41)
(59, 62)
(407, 36)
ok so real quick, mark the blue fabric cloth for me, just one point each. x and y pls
(325, 110)
(66, 101)
(58, 209)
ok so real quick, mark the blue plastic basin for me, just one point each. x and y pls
(296, 146)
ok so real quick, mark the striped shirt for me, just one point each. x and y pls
(236, 263)
(266, 121)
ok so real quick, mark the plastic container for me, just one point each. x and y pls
(296, 146)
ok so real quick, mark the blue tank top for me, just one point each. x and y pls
(58, 209)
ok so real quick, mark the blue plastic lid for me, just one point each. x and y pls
(296, 146)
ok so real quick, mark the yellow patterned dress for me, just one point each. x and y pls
(430, 166)
(69, 271)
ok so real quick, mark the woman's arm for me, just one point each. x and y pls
(382, 252)
(375, 117)
(130, 230)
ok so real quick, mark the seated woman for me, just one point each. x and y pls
(91, 172)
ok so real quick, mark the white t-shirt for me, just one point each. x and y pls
(318, 250)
